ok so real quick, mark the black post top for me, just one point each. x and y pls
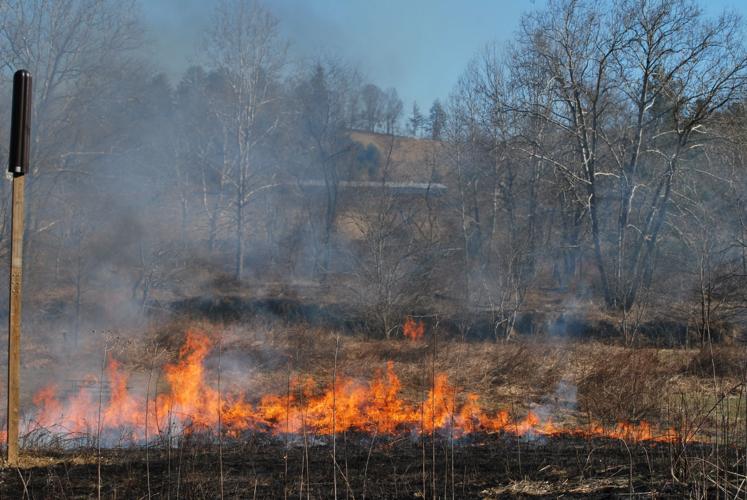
(20, 126)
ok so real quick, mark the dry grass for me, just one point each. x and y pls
(624, 385)
(613, 382)
(555, 489)
(571, 380)
(720, 360)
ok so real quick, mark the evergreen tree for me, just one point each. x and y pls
(417, 120)
(437, 120)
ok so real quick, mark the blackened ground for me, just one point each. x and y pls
(487, 466)
(475, 325)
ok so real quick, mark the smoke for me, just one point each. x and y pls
(174, 181)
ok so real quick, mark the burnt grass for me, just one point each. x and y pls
(469, 325)
(260, 466)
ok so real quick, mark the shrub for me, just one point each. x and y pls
(626, 385)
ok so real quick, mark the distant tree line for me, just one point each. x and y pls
(597, 161)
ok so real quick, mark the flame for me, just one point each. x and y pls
(190, 397)
(413, 330)
(191, 403)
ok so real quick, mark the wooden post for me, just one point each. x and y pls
(18, 165)
(14, 317)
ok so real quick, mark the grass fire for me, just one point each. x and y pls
(329, 249)
(373, 406)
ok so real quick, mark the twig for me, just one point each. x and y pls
(345, 477)
(98, 426)
(220, 416)
(24, 482)
(368, 459)
(287, 429)
(334, 427)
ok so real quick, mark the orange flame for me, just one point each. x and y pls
(190, 403)
(413, 330)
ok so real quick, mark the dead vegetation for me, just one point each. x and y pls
(719, 361)
(571, 382)
(624, 385)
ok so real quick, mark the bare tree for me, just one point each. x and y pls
(392, 111)
(499, 192)
(395, 256)
(630, 86)
(373, 109)
(78, 51)
(245, 46)
(326, 99)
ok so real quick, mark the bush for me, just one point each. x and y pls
(627, 385)
(724, 361)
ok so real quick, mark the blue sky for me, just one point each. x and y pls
(418, 46)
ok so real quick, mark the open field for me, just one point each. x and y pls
(248, 409)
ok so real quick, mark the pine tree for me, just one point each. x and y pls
(416, 120)
(437, 120)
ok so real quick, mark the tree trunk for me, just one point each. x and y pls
(239, 264)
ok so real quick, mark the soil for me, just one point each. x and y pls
(259, 466)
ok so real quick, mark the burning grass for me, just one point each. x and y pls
(320, 405)
(215, 387)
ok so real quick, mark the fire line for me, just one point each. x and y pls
(192, 405)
